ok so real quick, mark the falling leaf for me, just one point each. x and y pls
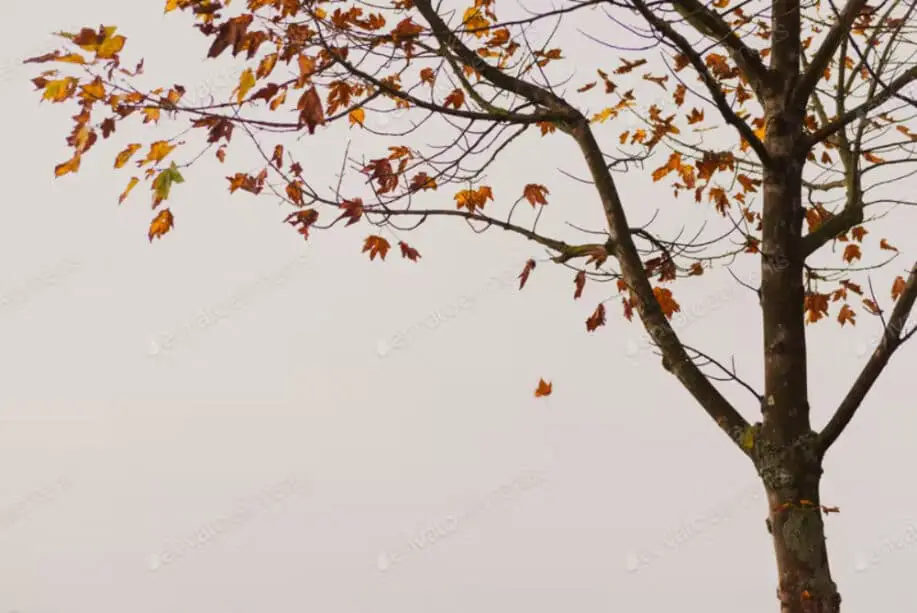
(162, 223)
(526, 271)
(544, 388)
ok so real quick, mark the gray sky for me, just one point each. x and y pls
(222, 421)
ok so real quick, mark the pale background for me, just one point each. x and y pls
(280, 453)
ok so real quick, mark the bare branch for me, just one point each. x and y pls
(823, 56)
(891, 340)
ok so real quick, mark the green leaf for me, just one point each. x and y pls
(162, 184)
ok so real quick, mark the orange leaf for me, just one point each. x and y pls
(71, 165)
(883, 244)
(898, 287)
(544, 388)
(376, 245)
(666, 302)
(845, 315)
(127, 190)
(852, 252)
(162, 223)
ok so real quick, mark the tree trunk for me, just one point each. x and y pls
(792, 476)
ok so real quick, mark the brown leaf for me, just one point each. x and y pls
(597, 319)
(526, 271)
(544, 388)
(408, 252)
(535, 194)
(580, 282)
(898, 286)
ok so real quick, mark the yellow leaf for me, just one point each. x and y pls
(246, 82)
(151, 114)
(162, 223)
(126, 154)
(266, 66)
(127, 190)
(158, 151)
(59, 89)
(94, 90)
(71, 165)
(110, 46)
(357, 116)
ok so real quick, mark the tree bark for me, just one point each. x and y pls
(792, 475)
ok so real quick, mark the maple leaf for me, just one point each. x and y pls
(580, 282)
(310, 110)
(158, 151)
(376, 245)
(871, 306)
(353, 211)
(162, 223)
(898, 286)
(408, 252)
(845, 315)
(852, 252)
(597, 319)
(816, 306)
(858, 233)
(162, 184)
(357, 117)
(535, 194)
(304, 219)
(526, 271)
(544, 388)
(666, 302)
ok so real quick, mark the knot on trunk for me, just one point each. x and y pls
(788, 466)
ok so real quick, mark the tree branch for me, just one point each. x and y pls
(747, 59)
(822, 58)
(722, 104)
(651, 314)
(891, 340)
(860, 111)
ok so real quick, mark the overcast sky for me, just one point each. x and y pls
(230, 420)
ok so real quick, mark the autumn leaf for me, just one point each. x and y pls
(71, 165)
(852, 253)
(162, 184)
(408, 252)
(898, 286)
(357, 116)
(127, 190)
(536, 194)
(246, 82)
(125, 155)
(845, 315)
(579, 282)
(544, 389)
(60, 89)
(597, 319)
(666, 302)
(883, 244)
(526, 271)
(158, 151)
(376, 245)
(162, 223)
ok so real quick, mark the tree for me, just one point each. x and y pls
(810, 104)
